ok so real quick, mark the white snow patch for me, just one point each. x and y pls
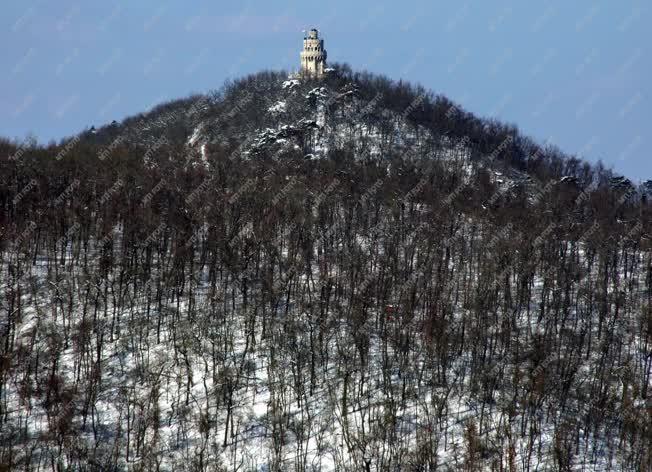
(196, 135)
(203, 152)
(290, 84)
(278, 107)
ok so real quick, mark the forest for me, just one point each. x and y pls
(342, 274)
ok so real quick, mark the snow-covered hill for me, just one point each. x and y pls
(346, 274)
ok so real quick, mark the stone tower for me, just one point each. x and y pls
(313, 56)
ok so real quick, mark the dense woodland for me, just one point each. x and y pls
(251, 308)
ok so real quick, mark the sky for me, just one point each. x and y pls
(575, 74)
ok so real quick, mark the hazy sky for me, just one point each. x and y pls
(575, 73)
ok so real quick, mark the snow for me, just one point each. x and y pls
(290, 84)
(196, 135)
(278, 107)
(317, 93)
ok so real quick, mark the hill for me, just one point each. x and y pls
(343, 274)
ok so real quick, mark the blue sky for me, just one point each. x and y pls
(575, 74)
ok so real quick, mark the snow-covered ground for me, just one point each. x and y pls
(172, 372)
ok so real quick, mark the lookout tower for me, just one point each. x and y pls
(313, 56)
